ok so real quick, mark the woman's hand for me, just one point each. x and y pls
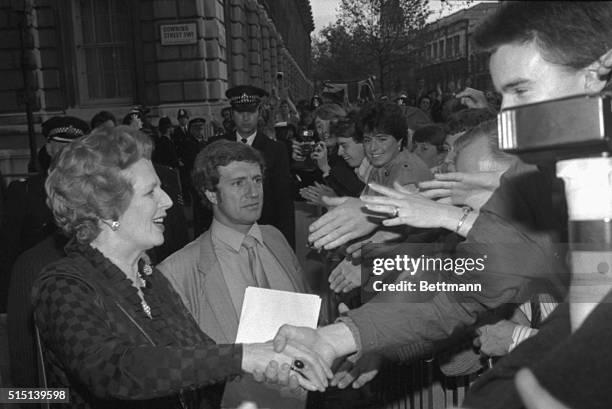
(258, 358)
(411, 209)
(278, 374)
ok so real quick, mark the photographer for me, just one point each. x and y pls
(338, 166)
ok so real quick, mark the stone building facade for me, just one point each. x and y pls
(446, 54)
(78, 57)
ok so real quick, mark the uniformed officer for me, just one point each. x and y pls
(28, 219)
(278, 209)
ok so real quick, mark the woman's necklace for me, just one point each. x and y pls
(143, 272)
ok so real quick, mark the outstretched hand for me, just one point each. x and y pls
(345, 277)
(316, 193)
(345, 221)
(461, 189)
(410, 209)
(357, 372)
(473, 98)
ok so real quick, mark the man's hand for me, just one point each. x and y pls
(357, 373)
(296, 151)
(532, 393)
(308, 338)
(345, 277)
(314, 194)
(319, 155)
(473, 98)
(603, 66)
(354, 252)
(345, 222)
(495, 340)
(461, 189)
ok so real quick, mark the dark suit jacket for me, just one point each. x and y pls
(165, 152)
(278, 209)
(175, 224)
(27, 221)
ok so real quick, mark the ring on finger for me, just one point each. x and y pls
(395, 212)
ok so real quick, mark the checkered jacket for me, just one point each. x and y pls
(98, 341)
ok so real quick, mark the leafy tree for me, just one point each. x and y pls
(369, 37)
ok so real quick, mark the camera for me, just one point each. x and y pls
(565, 128)
(307, 142)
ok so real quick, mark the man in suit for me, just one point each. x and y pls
(164, 151)
(179, 137)
(278, 209)
(212, 273)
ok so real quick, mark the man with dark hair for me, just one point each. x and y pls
(229, 178)
(103, 118)
(164, 152)
(212, 272)
(542, 51)
(179, 136)
(278, 208)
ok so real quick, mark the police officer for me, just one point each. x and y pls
(28, 219)
(278, 208)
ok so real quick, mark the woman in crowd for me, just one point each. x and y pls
(384, 130)
(113, 330)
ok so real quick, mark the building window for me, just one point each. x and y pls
(441, 48)
(435, 50)
(103, 51)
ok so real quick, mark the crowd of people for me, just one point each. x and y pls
(128, 305)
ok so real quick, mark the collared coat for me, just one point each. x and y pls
(195, 273)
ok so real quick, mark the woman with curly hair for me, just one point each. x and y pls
(113, 329)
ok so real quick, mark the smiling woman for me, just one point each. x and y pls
(112, 327)
(384, 129)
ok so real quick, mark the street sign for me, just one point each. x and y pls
(177, 34)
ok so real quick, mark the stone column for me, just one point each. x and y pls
(254, 44)
(238, 37)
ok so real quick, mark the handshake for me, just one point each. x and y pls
(306, 357)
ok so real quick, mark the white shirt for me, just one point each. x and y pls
(249, 138)
(234, 262)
